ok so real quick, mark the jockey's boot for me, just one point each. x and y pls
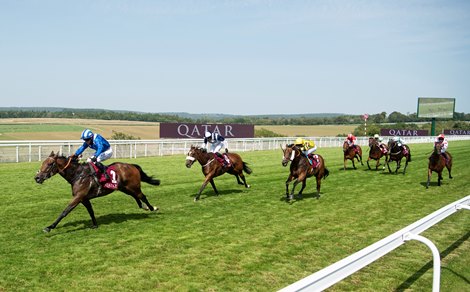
(102, 168)
(220, 158)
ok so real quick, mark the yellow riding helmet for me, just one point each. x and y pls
(299, 141)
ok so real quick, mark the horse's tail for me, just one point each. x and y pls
(246, 168)
(326, 173)
(145, 178)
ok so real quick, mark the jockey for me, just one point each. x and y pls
(351, 140)
(400, 144)
(380, 142)
(213, 142)
(98, 143)
(441, 139)
(307, 147)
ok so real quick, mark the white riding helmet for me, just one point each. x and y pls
(207, 134)
(376, 136)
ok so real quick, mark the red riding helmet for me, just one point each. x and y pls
(350, 136)
(441, 137)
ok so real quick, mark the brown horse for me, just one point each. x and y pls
(375, 152)
(85, 186)
(300, 170)
(212, 168)
(437, 162)
(396, 153)
(350, 153)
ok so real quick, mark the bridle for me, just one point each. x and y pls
(293, 154)
(50, 167)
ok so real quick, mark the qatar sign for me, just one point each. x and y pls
(403, 132)
(457, 132)
(188, 130)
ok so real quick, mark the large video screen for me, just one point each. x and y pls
(436, 107)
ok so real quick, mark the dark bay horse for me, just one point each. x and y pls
(396, 153)
(300, 169)
(212, 168)
(350, 153)
(86, 187)
(376, 153)
(437, 162)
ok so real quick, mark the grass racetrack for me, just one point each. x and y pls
(244, 239)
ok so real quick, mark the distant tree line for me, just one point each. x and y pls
(380, 118)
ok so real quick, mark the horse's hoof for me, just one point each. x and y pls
(47, 230)
(248, 186)
(155, 209)
(93, 226)
(290, 197)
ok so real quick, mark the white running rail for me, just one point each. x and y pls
(349, 265)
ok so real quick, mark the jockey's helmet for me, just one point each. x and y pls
(86, 134)
(207, 134)
(441, 137)
(299, 141)
(396, 138)
(376, 137)
(350, 136)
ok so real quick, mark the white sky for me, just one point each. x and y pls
(234, 57)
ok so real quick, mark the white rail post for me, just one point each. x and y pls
(436, 258)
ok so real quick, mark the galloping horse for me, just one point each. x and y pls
(437, 162)
(300, 169)
(212, 168)
(396, 154)
(86, 187)
(350, 153)
(376, 153)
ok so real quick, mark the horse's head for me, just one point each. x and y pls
(289, 153)
(49, 167)
(345, 146)
(438, 148)
(192, 156)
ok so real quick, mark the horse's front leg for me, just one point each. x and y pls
(429, 177)
(288, 181)
(206, 181)
(213, 187)
(291, 195)
(368, 163)
(64, 213)
(89, 208)
(345, 159)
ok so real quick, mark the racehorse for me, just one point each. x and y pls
(300, 169)
(212, 168)
(396, 154)
(85, 185)
(350, 153)
(376, 153)
(437, 162)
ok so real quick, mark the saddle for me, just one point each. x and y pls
(110, 183)
(383, 149)
(314, 161)
(223, 159)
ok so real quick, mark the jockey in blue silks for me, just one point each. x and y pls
(98, 143)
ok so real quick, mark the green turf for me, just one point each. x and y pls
(243, 240)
